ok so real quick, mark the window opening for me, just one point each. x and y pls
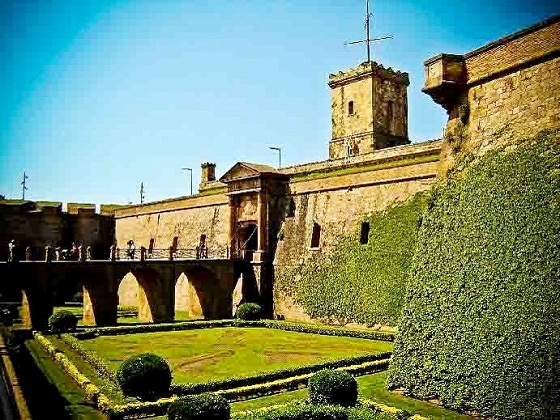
(175, 243)
(364, 233)
(316, 236)
(351, 108)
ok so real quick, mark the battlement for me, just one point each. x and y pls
(56, 207)
(368, 69)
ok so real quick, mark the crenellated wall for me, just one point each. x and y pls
(41, 223)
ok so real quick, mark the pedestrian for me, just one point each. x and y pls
(75, 251)
(131, 249)
(11, 250)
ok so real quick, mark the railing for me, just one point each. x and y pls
(126, 254)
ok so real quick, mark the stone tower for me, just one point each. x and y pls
(369, 110)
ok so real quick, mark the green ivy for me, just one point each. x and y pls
(480, 328)
(362, 283)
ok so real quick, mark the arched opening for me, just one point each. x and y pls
(175, 243)
(143, 290)
(198, 296)
(128, 292)
(247, 240)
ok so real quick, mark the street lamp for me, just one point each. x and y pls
(188, 169)
(279, 149)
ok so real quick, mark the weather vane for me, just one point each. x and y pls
(368, 40)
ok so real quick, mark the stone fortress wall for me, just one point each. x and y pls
(509, 86)
(38, 224)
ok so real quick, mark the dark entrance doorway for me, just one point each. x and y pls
(247, 240)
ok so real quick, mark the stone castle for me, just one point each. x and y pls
(274, 218)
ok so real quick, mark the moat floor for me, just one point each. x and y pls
(219, 353)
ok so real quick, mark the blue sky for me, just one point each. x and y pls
(100, 95)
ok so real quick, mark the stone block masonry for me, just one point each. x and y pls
(509, 88)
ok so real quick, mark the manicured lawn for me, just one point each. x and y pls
(219, 353)
(371, 387)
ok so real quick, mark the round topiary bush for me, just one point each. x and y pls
(333, 387)
(146, 377)
(62, 321)
(199, 407)
(249, 312)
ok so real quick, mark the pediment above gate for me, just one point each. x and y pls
(243, 170)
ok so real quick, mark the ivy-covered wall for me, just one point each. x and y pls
(481, 323)
(355, 282)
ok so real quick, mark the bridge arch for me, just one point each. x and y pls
(200, 293)
(149, 291)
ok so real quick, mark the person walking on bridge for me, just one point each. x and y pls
(11, 250)
(131, 249)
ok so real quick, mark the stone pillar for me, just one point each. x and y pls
(261, 226)
(101, 299)
(232, 221)
(37, 303)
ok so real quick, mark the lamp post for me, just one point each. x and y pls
(190, 170)
(279, 149)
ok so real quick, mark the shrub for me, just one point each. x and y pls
(145, 376)
(369, 279)
(199, 407)
(333, 387)
(480, 327)
(249, 312)
(62, 321)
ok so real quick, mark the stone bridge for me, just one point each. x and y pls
(206, 285)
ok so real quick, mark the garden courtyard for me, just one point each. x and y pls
(231, 357)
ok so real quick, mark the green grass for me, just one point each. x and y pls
(219, 353)
(47, 389)
(371, 387)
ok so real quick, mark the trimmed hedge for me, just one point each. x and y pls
(280, 325)
(249, 312)
(481, 323)
(330, 387)
(306, 411)
(145, 376)
(363, 283)
(199, 407)
(91, 357)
